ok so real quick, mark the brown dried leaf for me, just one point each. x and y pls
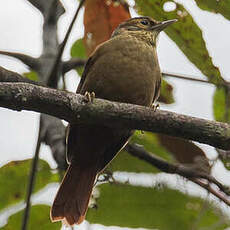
(100, 19)
(185, 152)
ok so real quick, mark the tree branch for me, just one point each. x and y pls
(72, 63)
(216, 193)
(53, 134)
(44, 6)
(75, 108)
(10, 76)
(182, 170)
(53, 77)
(77, 62)
(187, 172)
(32, 62)
(185, 77)
(31, 180)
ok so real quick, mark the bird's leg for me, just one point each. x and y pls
(89, 96)
(155, 107)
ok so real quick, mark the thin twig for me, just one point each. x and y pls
(211, 190)
(188, 172)
(53, 79)
(31, 181)
(185, 77)
(77, 62)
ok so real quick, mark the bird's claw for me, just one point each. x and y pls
(89, 96)
(155, 107)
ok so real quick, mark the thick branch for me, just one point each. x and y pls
(74, 108)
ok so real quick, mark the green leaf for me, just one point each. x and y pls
(78, 50)
(153, 208)
(126, 162)
(14, 178)
(226, 162)
(169, 148)
(221, 108)
(221, 113)
(31, 75)
(166, 95)
(39, 219)
(215, 6)
(185, 33)
(151, 144)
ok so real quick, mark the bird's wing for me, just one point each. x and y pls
(91, 60)
(88, 64)
(157, 90)
(118, 144)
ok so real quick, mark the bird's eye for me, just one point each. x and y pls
(144, 22)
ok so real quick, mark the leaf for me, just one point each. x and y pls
(219, 105)
(166, 95)
(185, 152)
(224, 156)
(125, 162)
(100, 19)
(14, 178)
(152, 208)
(39, 219)
(128, 163)
(215, 6)
(78, 50)
(151, 144)
(221, 108)
(185, 33)
(31, 75)
(169, 148)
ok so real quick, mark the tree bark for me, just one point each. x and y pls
(75, 108)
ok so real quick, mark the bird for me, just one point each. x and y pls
(124, 69)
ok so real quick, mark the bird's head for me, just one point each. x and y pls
(143, 27)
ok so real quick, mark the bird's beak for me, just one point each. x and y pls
(162, 25)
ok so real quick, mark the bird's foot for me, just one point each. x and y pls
(89, 96)
(155, 107)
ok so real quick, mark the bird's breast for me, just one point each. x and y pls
(124, 71)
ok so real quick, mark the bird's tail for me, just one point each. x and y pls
(72, 199)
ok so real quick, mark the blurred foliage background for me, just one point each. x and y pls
(117, 202)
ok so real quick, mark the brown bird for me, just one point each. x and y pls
(124, 69)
